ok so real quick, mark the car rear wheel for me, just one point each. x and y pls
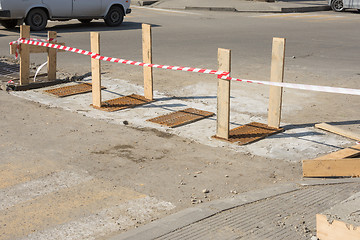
(337, 5)
(114, 17)
(85, 21)
(9, 24)
(36, 19)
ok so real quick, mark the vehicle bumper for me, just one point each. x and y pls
(128, 11)
(5, 14)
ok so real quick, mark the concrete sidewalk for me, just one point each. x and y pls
(282, 6)
(278, 213)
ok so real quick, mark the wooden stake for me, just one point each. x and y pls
(277, 75)
(52, 58)
(96, 70)
(223, 95)
(24, 56)
(147, 58)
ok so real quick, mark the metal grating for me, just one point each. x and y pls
(71, 90)
(181, 117)
(283, 217)
(250, 133)
(116, 104)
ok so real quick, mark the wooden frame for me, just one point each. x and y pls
(26, 50)
(223, 95)
(339, 131)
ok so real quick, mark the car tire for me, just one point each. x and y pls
(85, 21)
(36, 19)
(9, 24)
(337, 5)
(114, 17)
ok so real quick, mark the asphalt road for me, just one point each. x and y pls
(323, 44)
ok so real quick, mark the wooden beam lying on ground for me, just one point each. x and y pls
(339, 131)
(347, 167)
(349, 152)
(336, 230)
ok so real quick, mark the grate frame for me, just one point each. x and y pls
(250, 133)
(71, 90)
(121, 103)
(182, 117)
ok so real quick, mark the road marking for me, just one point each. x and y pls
(29, 190)
(167, 10)
(106, 221)
(15, 173)
(62, 206)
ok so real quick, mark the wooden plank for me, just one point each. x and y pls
(349, 152)
(336, 230)
(35, 49)
(347, 167)
(339, 131)
(277, 75)
(24, 56)
(52, 58)
(223, 95)
(147, 58)
(96, 70)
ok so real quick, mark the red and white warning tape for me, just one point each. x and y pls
(221, 74)
(117, 60)
(349, 91)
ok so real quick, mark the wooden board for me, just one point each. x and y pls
(347, 167)
(339, 131)
(349, 152)
(336, 230)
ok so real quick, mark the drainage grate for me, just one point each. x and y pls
(71, 90)
(130, 101)
(283, 217)
(182, 117)
(250, 133)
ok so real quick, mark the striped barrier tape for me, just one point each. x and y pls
(117, 60)
(349, 91)
(34, 39)
(221, 74)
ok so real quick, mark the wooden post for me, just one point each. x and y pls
(277, 75)
(147, 58)
(223, 95)
(52, 58)
(96, 70)
(24, 56)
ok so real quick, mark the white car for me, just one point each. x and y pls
(36, 13)
(341, 5)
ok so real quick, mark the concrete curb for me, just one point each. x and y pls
(191, 215)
